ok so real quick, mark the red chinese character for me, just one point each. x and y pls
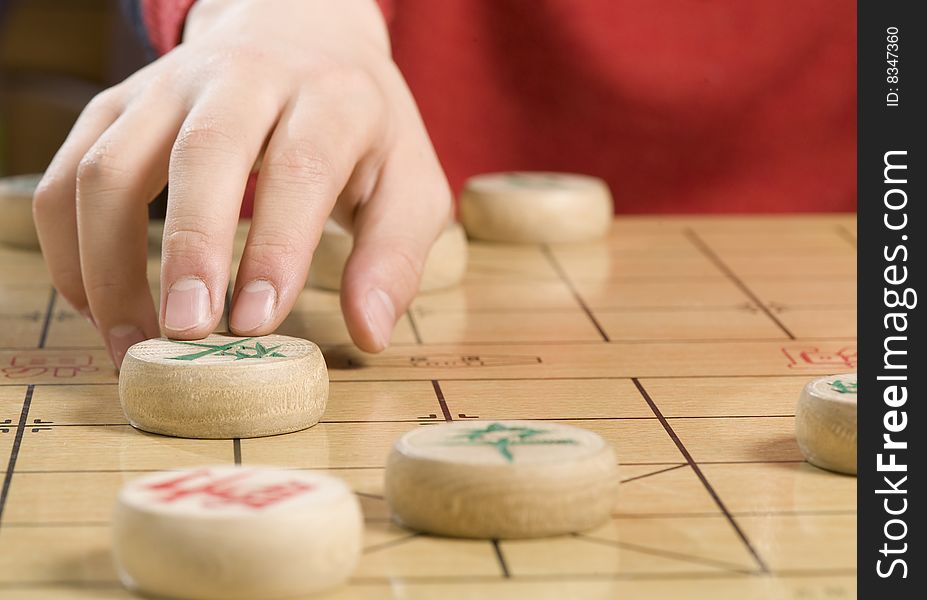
(41, 363)
(230, 489)
(810, 358)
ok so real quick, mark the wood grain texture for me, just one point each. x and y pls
(535, 208)
(223, 386)
(501, 479)
(728, 402)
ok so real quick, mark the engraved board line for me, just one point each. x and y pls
(24, 412)
(716, 260)
(698, 472)
(579, 299)
(425, 580)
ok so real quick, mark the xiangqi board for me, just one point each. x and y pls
(683, 342)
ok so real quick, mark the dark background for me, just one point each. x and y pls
(54, 56)
(881, 129)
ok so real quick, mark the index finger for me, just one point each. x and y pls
(209, 168)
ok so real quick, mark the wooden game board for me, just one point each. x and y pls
(683, 341)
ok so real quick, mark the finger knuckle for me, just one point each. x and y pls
(299, 162)
(356, 90)
(407, 263)
(167, 87)
(69, 283)
(347, 82)
(47, 199)
(110, 288)
(102, 169)
(107, 101)
(276, 253)
(204, 138)
(240, 62)
(105, 288)
(187, 244)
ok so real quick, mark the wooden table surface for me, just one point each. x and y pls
(683, 341)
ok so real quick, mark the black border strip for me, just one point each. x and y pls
(891, 153)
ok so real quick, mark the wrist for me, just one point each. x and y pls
(205, 13)
(358, 16)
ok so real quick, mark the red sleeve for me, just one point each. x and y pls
(164, 20)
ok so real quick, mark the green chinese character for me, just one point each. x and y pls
(503, 438)
(843, 388)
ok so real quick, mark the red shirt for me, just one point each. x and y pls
(680, 105)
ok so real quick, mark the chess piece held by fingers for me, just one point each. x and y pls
(224, 386)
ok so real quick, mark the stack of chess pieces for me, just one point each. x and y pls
(262, 532)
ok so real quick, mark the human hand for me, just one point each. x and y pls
(304, 88)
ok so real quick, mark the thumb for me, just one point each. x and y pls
(380, 280)
(391, 243)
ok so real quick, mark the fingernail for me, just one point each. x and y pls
(381, 316)
(187, 305)
(254, 305)
(121, 337)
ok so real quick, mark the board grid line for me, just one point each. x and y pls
(722, 266)
(575, 361)
(24, 413)
(736, 513)
(380, 467)
(618, 516)
(439, 394)
(845, 233)
(520, 579)
(565, 342)
(566, 310)
(545, 249)
(544, 378)
(667, 554)
(414, 326)
(14, 451)
(661, 471)
(236, 451)
(698, 472)
(500, 557)
(392, 543)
